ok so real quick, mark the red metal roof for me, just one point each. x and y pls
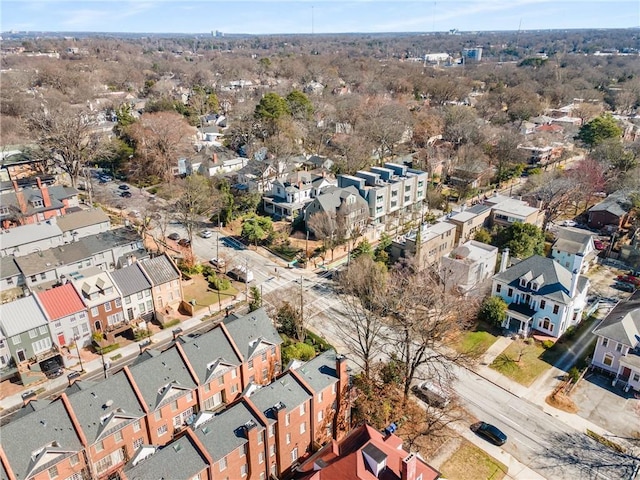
(61, 301)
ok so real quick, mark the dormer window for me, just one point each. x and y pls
(534, 287)
(523, 282)
(4, 210)
(37, 203)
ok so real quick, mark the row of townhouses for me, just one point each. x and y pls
(36, 328)
(212, 407)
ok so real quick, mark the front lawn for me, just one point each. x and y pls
(477, 341)
(203, 295)
(470, 462)
(521, 362)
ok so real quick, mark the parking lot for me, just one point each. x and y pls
(602, 282)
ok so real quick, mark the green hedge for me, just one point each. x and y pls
(107, 349)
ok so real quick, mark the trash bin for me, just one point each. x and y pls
(192, 301)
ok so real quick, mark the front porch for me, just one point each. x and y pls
(628, 374)
(519, 319)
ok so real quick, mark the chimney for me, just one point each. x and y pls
(408, 467)
(504, 261)
(575, 273)
(44, 191)
(22, 204)
(215, 157)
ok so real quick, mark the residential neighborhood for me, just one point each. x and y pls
(225, 257)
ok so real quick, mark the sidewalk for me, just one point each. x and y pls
(537, 392)
(13, 402)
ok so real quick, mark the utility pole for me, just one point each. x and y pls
(301, 306)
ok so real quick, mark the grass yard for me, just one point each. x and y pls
(521, 362)
(469, 462)
(204, 295)
(474, 342)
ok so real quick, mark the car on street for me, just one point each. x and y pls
(624, 286)
(125, 194)
(184, 242)
(123, 187)
(569, 223)
(218, 263)
(173, 236)
(433, 394)
(206, 234)
(105, 178)
(489, 432)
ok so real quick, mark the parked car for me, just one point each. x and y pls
(173, 236)
(218, 263)
(569, 223)
(242, 274)
(105, 178)
(599, 244)
(433, 394)
(123, 187)
(184, 242)
(625, 287)
(489, 432)
(632, 279)
(51, 368)
(206, 234)
(125, 194)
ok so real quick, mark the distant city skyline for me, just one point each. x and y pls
(319, 16)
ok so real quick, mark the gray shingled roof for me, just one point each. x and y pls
(247, 331)
(32, 432)
(180, 460)
(158, 372)
(96, 400)
(8, 267)
(572, 240)
(286, 390)
(104, 241)
(320, 372)
(224, 433)
(20, 316)
(130, 280)
(83, 218)
(207, 349)
(556, 279)
(160, 270)
(330, 199)
(33, 232)
(617, 203)
(623, 322)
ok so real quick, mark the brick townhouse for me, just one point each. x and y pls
(194, 400)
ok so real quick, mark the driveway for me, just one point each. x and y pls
(602, 278)
(608, 407)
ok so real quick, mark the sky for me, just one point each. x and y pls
(313, 16)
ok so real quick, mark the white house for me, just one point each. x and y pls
(468, 265)
(67, 316)
(617, 350)
(542, 295)
(571, 242)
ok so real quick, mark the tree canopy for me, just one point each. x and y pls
(522, 239)
(599, 129)
(271, 107)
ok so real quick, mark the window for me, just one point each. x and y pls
(242, 451)
(221, 380)
(176, 421)
(85, 328)
(303, 409)
(94, 311)
(139, 295)
(303, 427)
(619, 347)
(288, 438)
(99, 447)
(608, 359)
(10, 281)
(118, 436)
(207, 387)
(162, 430)
(244, 469)
(136, 426)
(251, 363)
(523, 282)
(43, 330)
(174, 405)
(546, 324)
(158, 414)
(261, 438)
(234, 388)
(320, 397)
(33, 333)
(636, 377)
(43, 276)
(127, 300)
(294, 454)
(53, 472)
(333, 388)
(320, 416)
(234, 373)
(272, 450)
(74, 459)
(252, 379)
(33, 278)
(223, 464)
(264, 356)
(605, 342)
(498, 288)
(118, 302)
(556, 309)
(287, 420)
(534, 287)
(16, 340)
(261, 457)
(510, 292)
(272, 430)
(137, 443)
(542, 304)
(265, 374)
(189, 396)
(107, 307)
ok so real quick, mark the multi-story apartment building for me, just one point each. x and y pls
(392, 192)
(427, 245)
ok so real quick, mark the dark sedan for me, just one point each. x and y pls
(489, 432)
(125, 194)
(123, 187)
(173, 236)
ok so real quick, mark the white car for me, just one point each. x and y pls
(206, 234)
(569, 223)
(218, 263)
